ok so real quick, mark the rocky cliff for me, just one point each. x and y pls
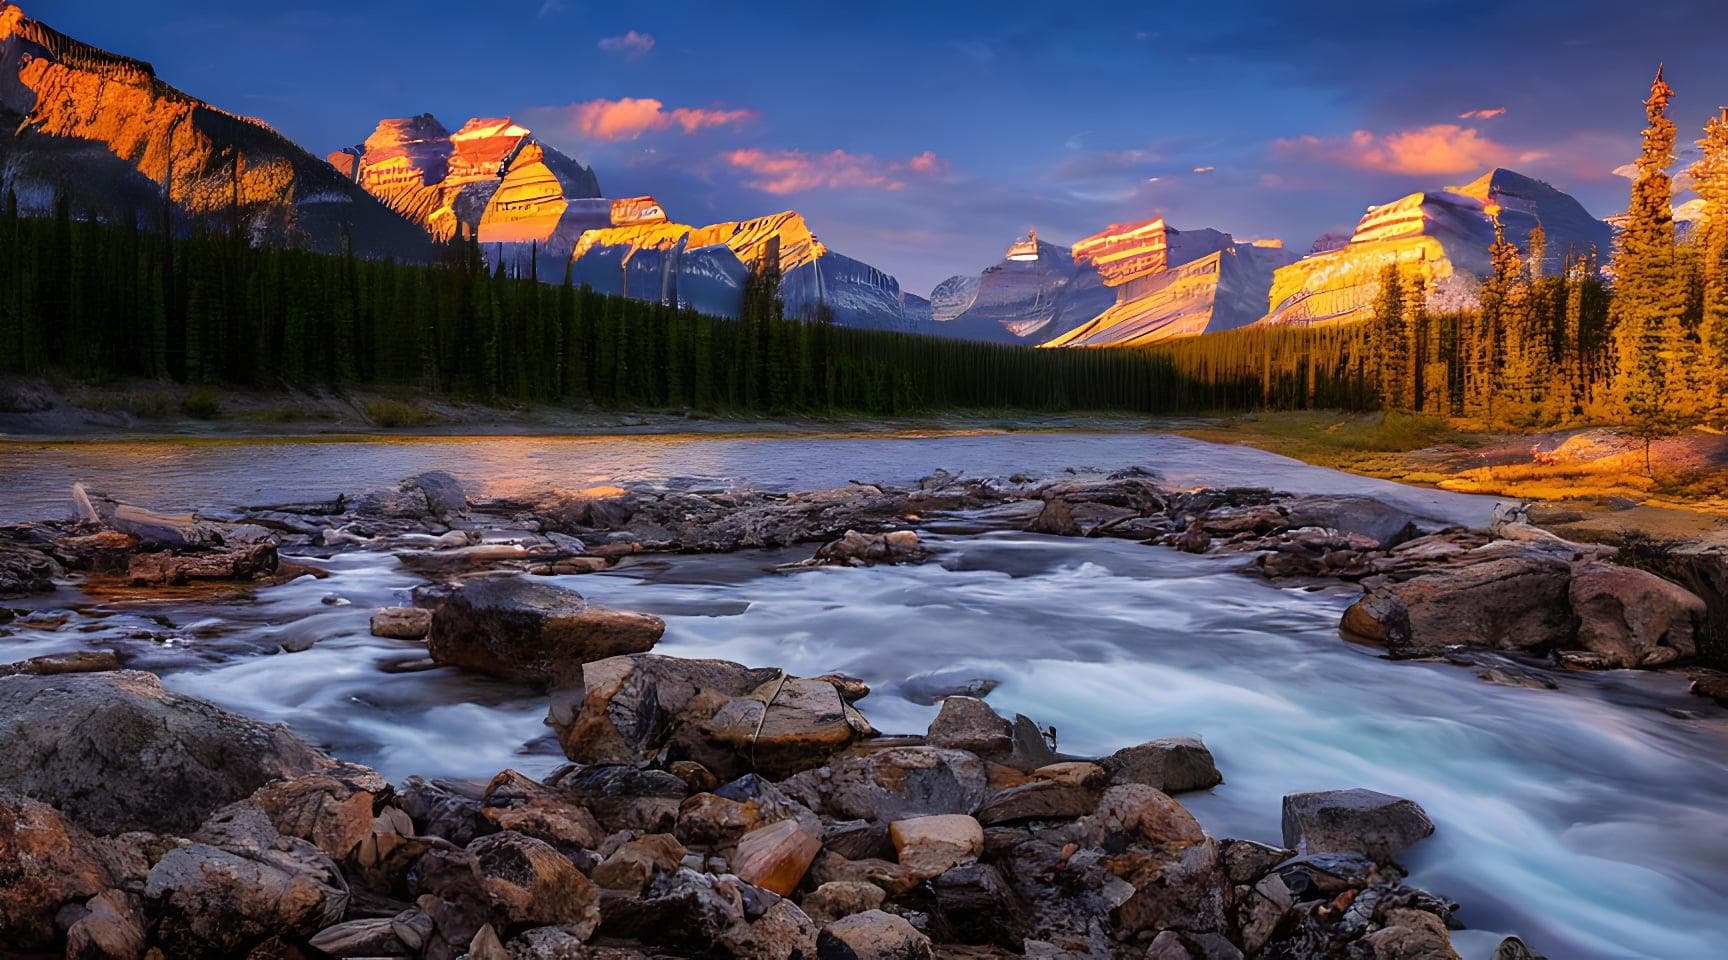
(1036, 292)
(492, 179)
(108, 133)
(705, 268)
(1444, 236)
(1221, 290)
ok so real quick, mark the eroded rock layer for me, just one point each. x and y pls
(72, 113)
(1219, 291)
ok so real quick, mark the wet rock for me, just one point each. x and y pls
(785, 726)
(443, 493)
(1514, 603)
(1032, 748)
(1513, 948)
(1376, 825)
(637, 862)
(117, 752)
(401, 623)
(1508, 677)
(631, 707)
(686, 912)
(335, 812)
(856, 549)
(509, 880)
(369, 937)
(930, 846)
(857, 839)
(1632, 618)
(1260, 910)
(842, 898)
(1325, 875)
(518, 629)
(777, 856)
(1411, 935)
(625, 797)
(695, 776)
(872, 935)
(974, 904)
(26, 567)
(968, 723)
(248, 562)
(1246, 861)
(1168, 946)
(552, 943)
(1173, 765)
(1046, 798)
(212, 902)
(709, 819)
(830, 867)
(1386, 525)
(112, 927)
(895, 783)
(516, 802)
(938, 685)
(77, 661)
(46, 861)
(448, 809)
(1138, 814)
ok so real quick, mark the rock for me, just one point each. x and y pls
(531, 884)
(45, 861)
(974, 904)
(247, 562)
(1324, 875)
(777, 856)
(695, 776)
(335, 813)
(112, 928)
(1177, 887)
(1142, 815)
(444, 494)
(1411, 935)
(968, 723)
(1261, 910)
(842, 898)
(629, 708)
(685, 912)
(1514, 603)
(786, 725)
(930, 846)
(1031, 749)
(401, 623)
(1173, 765)
(214, 903)
(856, 549)
(77, 661)
(782, 932)
(448, 809)
(515, 802)
(709, 819)
(486, 945)
(637, 862)
(518, 629)
(1634, 618)
(551, 943)
(895, 783)
(1376, 825)
(830, 867)
(872, 935)
(117, 752)
(1246, 861)
(625, 797)
(1513, 948)
(1042, 799)
(1386, 525)
(368, 937)
(857, 839)
(1168, 946)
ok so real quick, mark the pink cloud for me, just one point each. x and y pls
(630, 117)
(1439, 149)
(1486, 113)
(794, 171)
(630, 45)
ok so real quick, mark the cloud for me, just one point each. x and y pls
(550, 7)
(1205, 169)
(1091, 164)
(630, 117)
(630, 45)
(1486, 113)
(1439, 149)
(793, 171)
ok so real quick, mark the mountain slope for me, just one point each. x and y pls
(103, 130)
(1034, 293)
(1444, 235)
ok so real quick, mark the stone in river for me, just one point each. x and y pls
(1632, 618)
(894, 783)
(1376, 825)
(401, 623)
(968, 723)
(76, 661)
(1387, 525)
(516, 628)
(932, 845)
(1513, 603)
(1173, 765)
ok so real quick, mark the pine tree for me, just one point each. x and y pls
(1648, 298)
(1710, 179)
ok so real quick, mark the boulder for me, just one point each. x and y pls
(629, 708)
(443, 493)
(1380, 522)
(1514, 603)
(777, 856)
(784, 726)
(1064, 792)
(624, 796)
(685, 912)
(709, 819)
(637, 862)
(530, 884)
(519, 629)
(894, 783)
(872, 935)
(111, 927)
(974, 904)
(1142, 815)
(1633, 618)
(842, 898)
(450, 809)
(515, 802)
(46, 861)
(930, 846)
(1411, 935)
(368, 937)
(211, 902)
(830, 867)
(968, 723)
(166, 568)
(401, 623)
(117, 752)
(75, 661)
(1173, 765)
(855, 549)
(780, 932)
(1376, 825)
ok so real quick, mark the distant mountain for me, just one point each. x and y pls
(705, 268)
(1443, 234)
(492, 178)
(1035, 292)
(1218, 290)
(103, 131)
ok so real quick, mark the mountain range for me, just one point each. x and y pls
(103, 133)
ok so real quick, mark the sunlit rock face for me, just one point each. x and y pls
(491, 179)
(1036, 292)
(705, 268)
(1172, 283)
(119, 140)
(1443, 236)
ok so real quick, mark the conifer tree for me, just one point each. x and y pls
(1710, 179)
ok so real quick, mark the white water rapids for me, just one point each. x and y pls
(1592, 820)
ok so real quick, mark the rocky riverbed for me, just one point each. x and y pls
(713, 808)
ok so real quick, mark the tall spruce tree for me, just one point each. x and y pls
(1710, 179)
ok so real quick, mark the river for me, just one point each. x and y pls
(1589, 819)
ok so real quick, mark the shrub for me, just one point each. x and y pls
(201, 404)
(395, 413)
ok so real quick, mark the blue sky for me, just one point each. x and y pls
(922, 137)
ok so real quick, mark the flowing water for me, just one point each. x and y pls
(1588, 819)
